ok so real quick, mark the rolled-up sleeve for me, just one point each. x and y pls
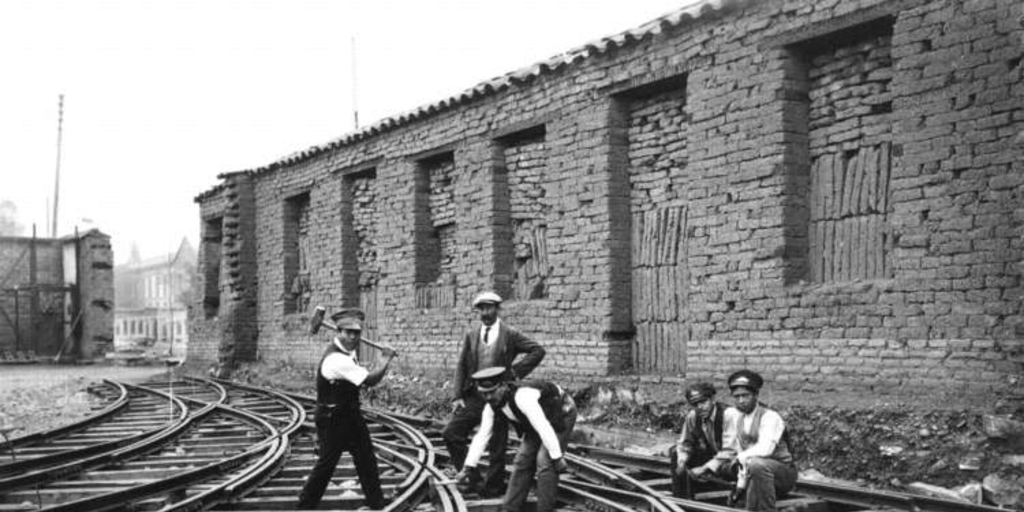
(338, 366)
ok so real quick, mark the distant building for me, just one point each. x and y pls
(151, 298)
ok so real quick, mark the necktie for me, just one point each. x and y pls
(487, 330)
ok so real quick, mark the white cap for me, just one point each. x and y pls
(483, 297)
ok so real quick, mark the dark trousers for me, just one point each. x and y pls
(766, 480)
(338, 430)
(457, 438)
(533, 458)
(682, 485)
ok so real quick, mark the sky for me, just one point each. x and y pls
(162, 96)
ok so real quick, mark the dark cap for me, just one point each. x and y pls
(351, 319)
(489, 379)
(699, 391)
(746, 379)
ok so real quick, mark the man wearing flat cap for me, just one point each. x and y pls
(755, 443)
(339, 420)
(491, 343)
(700, 439)
(544, 416)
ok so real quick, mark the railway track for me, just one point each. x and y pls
(177, 444)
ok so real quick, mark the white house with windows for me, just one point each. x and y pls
(151, 297)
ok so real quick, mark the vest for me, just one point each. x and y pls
(341, 394)
(781, 452)
(713, 445)
(551, 401)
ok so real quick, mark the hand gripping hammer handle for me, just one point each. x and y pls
(317, 321)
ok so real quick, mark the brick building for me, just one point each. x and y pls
(828, 191)
(152, 299)
(56, 297)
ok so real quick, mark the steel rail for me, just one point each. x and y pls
(68, 456)
(119, 402)
(258, 473)
(408, 458)
(182, 480)
(430, 482)
(846, 495)
(66, 470)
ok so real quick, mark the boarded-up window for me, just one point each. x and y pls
(297, 290)
(849, 134)
(435, 231)
(212, 243)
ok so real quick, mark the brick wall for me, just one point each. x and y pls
(95, 295)
(826, 191)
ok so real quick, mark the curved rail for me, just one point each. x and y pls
(826, 496)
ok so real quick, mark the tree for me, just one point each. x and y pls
(9, 225)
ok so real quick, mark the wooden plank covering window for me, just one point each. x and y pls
(848, 230)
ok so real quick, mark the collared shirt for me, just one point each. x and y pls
(528, 401)
(768, 435)
(492, 334)
(697, 430)
(343, 366)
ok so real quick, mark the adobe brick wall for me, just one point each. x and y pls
(826, 191)
(96, 295)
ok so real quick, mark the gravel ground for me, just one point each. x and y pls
(40, 397)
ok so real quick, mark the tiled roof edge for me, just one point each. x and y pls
(657, 26)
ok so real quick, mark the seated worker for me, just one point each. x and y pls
(700, 439)
(543, 415)
(755, 446)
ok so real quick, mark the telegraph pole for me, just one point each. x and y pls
(56, 183)
(355, 104)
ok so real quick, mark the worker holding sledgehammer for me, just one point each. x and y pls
(339, 420)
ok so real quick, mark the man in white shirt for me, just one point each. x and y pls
(755, 445)
(339, 420)
(544, 416)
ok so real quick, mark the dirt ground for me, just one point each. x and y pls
(35, 397)
(878, 441)
(881, 441)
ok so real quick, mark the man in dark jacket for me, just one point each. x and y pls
(544, 415)
(339, 420)
(700, 439)
(492, 343)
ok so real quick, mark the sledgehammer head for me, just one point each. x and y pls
(317, 320)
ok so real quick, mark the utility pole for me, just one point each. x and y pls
(355, 104)
(56, 183)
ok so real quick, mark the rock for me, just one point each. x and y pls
(938, 466)
(812, 475)
(923, 489)
(624, 395)
(890, 450)
(1013, 460)
(924, 433)
(1003, 428)
(971, 492)
(1005, 492)
(970, 462)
